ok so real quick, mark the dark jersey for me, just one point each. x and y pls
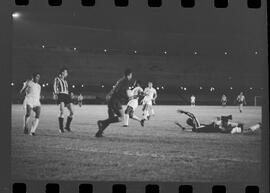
(120, 89)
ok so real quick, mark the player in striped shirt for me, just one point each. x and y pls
(63, 99)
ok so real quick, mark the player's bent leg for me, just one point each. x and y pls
(61, 117)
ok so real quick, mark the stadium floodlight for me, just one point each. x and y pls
(256, 52)
(105, 50)
(195, 53)
(185, 88)
(225, 53)
(231, 88)
(43, 46)
(102, 86)
(82, 85)
(47, 84)
(74, 49)
(135, 51)
(162, 87)
(12, 84)
(73, 86)
(250, 88)
(43, 85)
(16, 15)
(165, 52)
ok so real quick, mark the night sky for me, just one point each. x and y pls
(168, 42)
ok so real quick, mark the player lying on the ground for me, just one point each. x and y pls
(63, 97)
(31, 102)
(119, 92)
(148, 101)
(133, 104)
(220, 125)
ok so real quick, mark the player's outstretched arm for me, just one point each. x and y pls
(25, 84)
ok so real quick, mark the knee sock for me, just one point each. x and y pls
(136, 118)
(25, 121)
(152, 112)
(126, 119)
(61, 123)
(34, 126)
(69, 119)
(145, 114)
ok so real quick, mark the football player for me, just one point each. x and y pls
(133, 104)
(148, 101)
(31, 102)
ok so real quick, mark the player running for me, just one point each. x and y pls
(63, 99)
(241, 100)
(80, 99)
(133, 104)
(119, 92)
(192, 100)
(223, 100)
(31, 102)
(148, 101)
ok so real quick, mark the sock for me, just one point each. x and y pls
(145, 114)
(126, 119)
(25, 121)
(136, 118)
(61, 123)
(69, 119)
(34, 126)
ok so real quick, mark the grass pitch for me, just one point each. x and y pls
(160, 151)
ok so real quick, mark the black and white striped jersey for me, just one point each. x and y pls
(60, 86)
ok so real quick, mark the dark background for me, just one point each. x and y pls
(205, 47)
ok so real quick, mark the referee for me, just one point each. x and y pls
(114, 98)
(63, 99)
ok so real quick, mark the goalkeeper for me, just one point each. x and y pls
(220, 125)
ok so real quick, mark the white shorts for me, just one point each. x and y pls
(133, 103)
(32, 102)
(147, 102)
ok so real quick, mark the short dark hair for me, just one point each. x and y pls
(128, 71)
(138, 82)
(35, 74)
(62, 70)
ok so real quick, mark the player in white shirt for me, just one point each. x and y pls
(31, 102)
(241, 100)
(192, 100)
(148, 101)
(223, 100)
(133, 103)
(80, 99)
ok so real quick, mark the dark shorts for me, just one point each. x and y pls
(115, 107)
(129, 111)
(36, 109)
(65, 98)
